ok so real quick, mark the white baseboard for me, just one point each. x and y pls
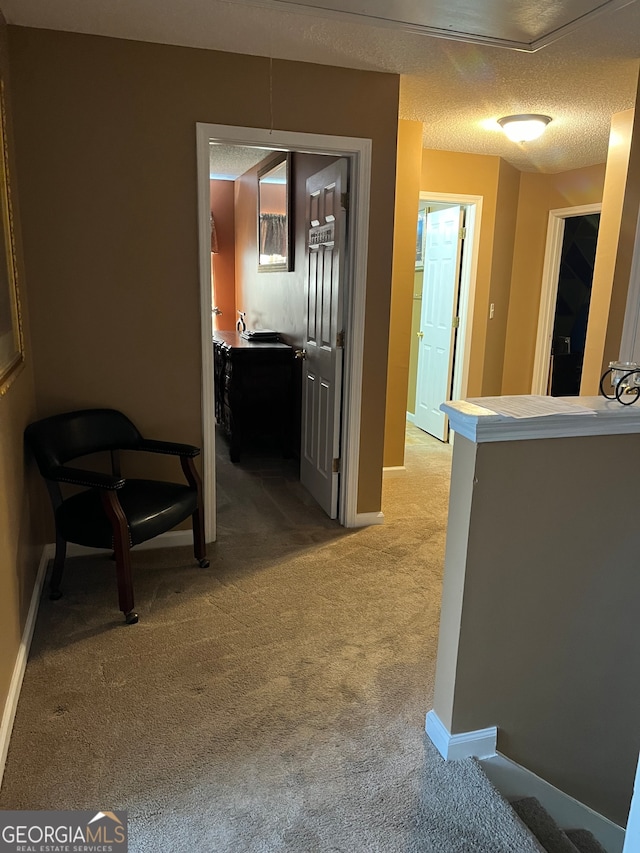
(411, 417)
(395, 468)
(514, 782)
(479, 744)
(170, 539)
(366, 519)
(9, 713)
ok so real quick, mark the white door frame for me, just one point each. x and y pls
(358, 151)
(549, 292)
(468, 277)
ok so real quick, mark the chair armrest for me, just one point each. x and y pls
(169, 447)
(79, 477)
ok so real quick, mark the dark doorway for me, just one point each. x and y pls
(572, 305)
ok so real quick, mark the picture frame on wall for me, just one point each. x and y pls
(11, 337)
(421, 236)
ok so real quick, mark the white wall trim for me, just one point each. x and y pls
(411, 417)
(514, 782)
(468, 279)
(479, 744)
(632, 835)
(395, 468)
(549, 291)
(366, 519)
(11, 704)
(170, 539)
(358, 151)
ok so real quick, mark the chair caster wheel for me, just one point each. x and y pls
(204, 563)
(55, 594)
(131, 618)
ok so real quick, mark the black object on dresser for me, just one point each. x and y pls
(253, 390)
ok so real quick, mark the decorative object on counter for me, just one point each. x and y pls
(261, 335)
(241, 325)
(625, 380)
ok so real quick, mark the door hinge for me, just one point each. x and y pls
(336, 466)
(344, 201)
(462, 233)
(456, 322)
(340, 340)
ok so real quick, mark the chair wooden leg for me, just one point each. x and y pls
(199, 544)
(58, 566)
(122, 551)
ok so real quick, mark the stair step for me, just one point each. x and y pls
(584, 841)
(543, 826)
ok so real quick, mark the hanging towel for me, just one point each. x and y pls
(214, 238)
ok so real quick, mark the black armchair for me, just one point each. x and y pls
(112, 512)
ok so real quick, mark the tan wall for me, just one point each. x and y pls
(409, 164)
(471, 174)
(111, 248)
(20, 544)
(501, 282)
(538, 195)
(616, 240)
(416, 315)
(539, 616)
(223, 264)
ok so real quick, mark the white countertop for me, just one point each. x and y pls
(480, 424)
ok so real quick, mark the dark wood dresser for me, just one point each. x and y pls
(253, 391)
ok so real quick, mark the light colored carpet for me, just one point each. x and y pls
(274, 702)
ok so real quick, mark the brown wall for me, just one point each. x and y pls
(538, 195)
(474, 174)
(223, 264)
(501, 282)
(616, 241)
(539, 615)
(20, 545)
(409, 164)
(112, 253)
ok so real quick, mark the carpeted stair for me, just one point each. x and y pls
(551, 837)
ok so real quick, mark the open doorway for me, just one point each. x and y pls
(447, 242)
(357, 154)
(567, 276)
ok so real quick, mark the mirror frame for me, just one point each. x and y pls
(269, 166)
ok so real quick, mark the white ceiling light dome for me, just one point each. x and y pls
(525, 127)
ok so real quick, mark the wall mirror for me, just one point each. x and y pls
(274, 215)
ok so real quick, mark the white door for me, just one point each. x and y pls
(322, 367)
(438, 321)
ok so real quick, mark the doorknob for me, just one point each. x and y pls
(421, 334)
(300, 353)
(216, 311)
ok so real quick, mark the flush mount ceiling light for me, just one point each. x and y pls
(524, 128)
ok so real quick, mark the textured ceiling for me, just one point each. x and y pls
(227, 162)
(456, 89)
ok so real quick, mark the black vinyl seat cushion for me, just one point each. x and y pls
(151, 507)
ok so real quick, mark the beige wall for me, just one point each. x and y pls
(110, 225)
(539, 615)
(416, 316)
(20, 544)
(223, 263)
(538, 195)
(477, 174)
(409, 164)
(616, 240)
